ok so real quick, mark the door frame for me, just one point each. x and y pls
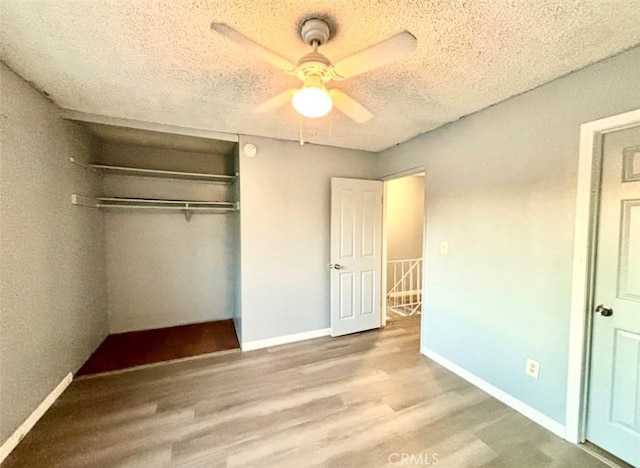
(383, 277)
(582, 283)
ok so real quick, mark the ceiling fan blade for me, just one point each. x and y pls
(350, 107)
(265, 54)
(276, 101)
(375, 56)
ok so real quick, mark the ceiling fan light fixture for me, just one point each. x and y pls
(312, 101)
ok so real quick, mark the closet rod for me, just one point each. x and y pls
(168, 207)
(120, 201)
(186, 208)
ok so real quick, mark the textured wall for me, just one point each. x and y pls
(162, 270)
(285, 233)
(52, 278)
(501, 188)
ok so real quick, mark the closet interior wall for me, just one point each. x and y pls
(237, 248)
(162, 269)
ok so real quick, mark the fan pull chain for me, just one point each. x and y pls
(301, 139)
(331, 121)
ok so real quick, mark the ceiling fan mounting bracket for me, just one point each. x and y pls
(315, 30)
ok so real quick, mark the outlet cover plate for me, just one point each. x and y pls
(532, 368)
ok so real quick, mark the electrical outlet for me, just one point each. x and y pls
(533, 368)
(444, 247)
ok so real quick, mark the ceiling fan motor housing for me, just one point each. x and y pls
(314, 64)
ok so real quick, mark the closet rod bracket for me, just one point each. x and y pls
(81, 200)
(187, 213)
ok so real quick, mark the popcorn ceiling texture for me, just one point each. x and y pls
(159, 61)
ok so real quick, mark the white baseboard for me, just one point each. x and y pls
(33, 418)
(279, 340)
(522, 408)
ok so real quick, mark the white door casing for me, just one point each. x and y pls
(356, 255)
(583, 260)
(613, 414)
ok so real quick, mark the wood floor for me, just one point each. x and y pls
(363, 400)
(124, 350)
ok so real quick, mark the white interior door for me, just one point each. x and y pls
(613, 416)
(356, 255)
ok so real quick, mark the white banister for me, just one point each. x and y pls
(405, 295)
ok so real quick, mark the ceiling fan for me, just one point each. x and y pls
(315, 70)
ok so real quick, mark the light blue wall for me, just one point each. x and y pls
(501, 187)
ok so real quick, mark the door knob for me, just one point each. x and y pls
(604, 310)
(335, 266)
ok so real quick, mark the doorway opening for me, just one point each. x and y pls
(403, 239)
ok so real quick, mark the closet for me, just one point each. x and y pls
(171, 226)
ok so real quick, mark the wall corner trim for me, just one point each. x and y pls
(522, 408)
(237, 327)
(280, 340)
(33, 418)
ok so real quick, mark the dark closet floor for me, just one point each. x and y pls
(124, 350)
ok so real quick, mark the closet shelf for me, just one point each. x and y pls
(134, 171)
(153, 203)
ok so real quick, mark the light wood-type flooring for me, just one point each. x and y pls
(368, 399)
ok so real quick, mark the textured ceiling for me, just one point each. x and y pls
(158, 61)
